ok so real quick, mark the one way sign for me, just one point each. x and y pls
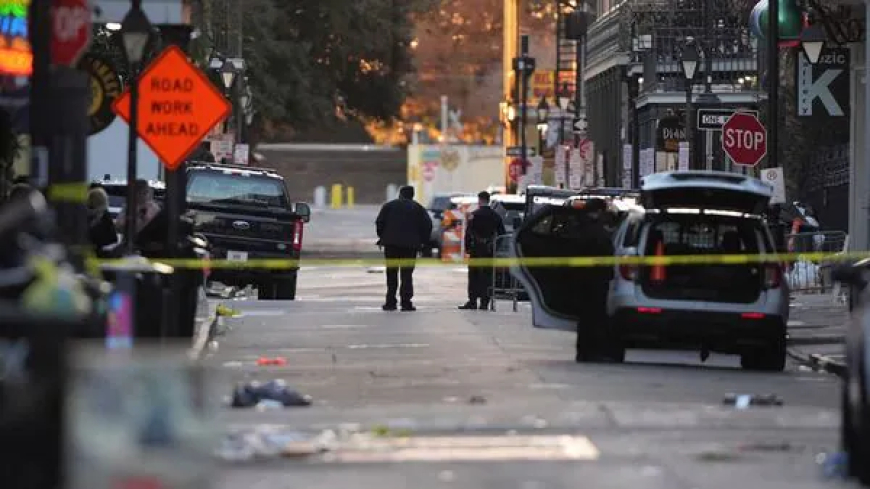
(823, 88)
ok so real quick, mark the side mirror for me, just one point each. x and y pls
(302, 210)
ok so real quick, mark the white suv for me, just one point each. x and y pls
(741, 309)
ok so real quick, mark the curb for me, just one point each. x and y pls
(819, 339)
(818, 362)
(205, 332)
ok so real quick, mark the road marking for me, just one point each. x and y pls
(266, 312)
(395, 345)
(796, 323)
(466, 448)
(344, 326)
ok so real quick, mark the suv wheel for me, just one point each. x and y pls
(770, 358)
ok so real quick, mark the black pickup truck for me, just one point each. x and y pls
(245, 214)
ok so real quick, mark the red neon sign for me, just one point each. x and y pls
(16, 57)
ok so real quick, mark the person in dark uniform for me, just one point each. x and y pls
(403, 227)
(593, 333)
(484, 226)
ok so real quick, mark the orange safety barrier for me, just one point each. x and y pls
(452, 234)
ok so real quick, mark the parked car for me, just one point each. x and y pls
(246, 213)
(117, 192)
(436, 208)
(740, 309)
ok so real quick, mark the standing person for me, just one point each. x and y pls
(484, 225)
(403, 227)
(101, 229)
(148, 208)
(593, 332)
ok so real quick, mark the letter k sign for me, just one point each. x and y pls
(809, 90)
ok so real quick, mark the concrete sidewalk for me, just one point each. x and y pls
(817, 332)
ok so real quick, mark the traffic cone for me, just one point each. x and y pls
(658, 271)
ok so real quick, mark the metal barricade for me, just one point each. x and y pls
(504, 285)
(809, 276)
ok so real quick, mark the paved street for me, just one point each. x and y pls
(658, 420)
(342, 233)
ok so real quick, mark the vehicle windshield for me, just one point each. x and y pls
(118, 195)
(440, 203)
(220, 188)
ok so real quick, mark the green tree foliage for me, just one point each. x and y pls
(318, 66)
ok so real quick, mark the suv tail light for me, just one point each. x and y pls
(297, 235)
(628, 272)
(772, 276)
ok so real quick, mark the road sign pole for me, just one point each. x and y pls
(524, 88)
(40, 86)
(132, 162)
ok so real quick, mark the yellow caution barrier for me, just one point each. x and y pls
(336, 196)
(529, 262)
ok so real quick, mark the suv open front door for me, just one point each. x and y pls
(551, 231)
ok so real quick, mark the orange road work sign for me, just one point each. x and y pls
(178, 106)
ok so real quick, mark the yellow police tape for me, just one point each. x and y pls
(529, 262)
(70, 192)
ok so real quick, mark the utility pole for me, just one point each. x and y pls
(59, 127)
(524, 66)
(773, 84)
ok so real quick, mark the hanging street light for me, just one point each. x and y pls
(543, 110)
(564, 98)
(690, 62)
(228, 74)
(812, 42)
(136, 32)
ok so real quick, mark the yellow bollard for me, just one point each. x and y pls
(350, 196)
(336, 196)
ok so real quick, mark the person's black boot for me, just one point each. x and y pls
(389, 306)
(484, 305)
(469, 306)
(408, 307)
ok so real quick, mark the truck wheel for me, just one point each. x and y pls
(266, 291)
(285, 288)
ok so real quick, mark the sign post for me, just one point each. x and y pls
(178, 106)
(70, 31)
(744, 139)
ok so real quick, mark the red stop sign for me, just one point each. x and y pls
(744, 139)
(70, 30)
(515, 169)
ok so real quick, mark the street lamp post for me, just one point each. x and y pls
(543, 115)
(228, 77)
(690, 67)
(564, 101)
(136, 32)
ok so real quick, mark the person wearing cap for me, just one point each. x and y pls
(403, 227)
(593, 283)
(484, 226)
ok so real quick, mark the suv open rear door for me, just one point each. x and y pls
(538, 196)
(549, 232)
(705, 190)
